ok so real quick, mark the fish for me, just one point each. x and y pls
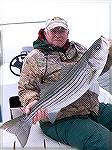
(77, 80)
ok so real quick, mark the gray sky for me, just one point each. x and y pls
(87, 20)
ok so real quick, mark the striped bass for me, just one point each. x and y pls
(65, 91)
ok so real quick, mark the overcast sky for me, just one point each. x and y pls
(87, 20)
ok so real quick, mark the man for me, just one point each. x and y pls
(79, 124)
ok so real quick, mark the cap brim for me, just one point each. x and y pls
(54, 25)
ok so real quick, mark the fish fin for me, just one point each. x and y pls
(20, 127)
(9, 123)
(52, 116)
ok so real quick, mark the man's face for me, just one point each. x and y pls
(57, 36)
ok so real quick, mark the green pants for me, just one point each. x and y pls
(86, 133)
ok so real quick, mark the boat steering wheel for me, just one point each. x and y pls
(16, 64)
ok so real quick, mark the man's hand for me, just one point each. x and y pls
(41, 114)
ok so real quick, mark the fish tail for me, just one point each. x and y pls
(20, 127)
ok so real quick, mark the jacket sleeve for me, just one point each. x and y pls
(28, 85)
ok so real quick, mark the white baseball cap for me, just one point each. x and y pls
(56, 22)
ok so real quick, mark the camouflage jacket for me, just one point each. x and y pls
(38, 69)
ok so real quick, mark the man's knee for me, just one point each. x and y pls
(98, 141)
(90, 135)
